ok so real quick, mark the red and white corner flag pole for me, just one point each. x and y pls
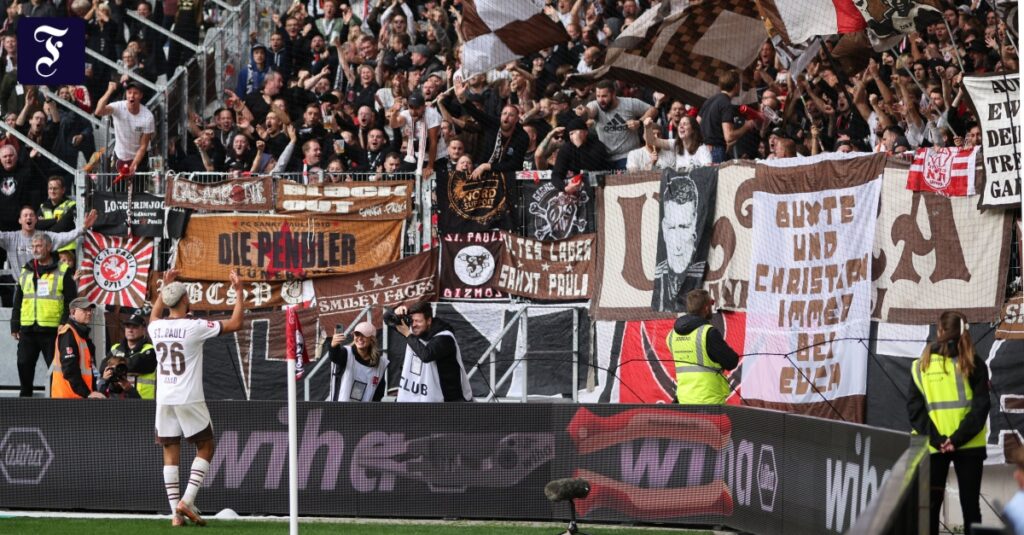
(295, 352)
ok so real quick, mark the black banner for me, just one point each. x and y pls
(468, 204)
(687, 213)
(147, 215)
(753, 470)
(548, 214)
(470, 264)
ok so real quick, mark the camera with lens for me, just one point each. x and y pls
(392, 319)
(118, 373)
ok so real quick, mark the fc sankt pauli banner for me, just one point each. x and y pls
(115, 270)
(271, 248)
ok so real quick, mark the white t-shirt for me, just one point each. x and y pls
(128, 129)
(701, 158)
(411, 130)
(179, 354)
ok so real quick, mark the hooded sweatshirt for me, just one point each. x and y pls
(718, 350)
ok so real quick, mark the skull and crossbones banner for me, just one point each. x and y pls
(550, 214)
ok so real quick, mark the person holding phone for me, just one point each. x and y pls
(359, 369)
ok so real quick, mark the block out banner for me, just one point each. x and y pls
(115, 271)
(809, 308)
(215, 295)
(467, 204)
(996, 100)
(470, 265)
(935, 253)
(549, 214)
(628, 216)
(341, 299)
(547, 270)
(283, 248)
(250, 363)
(687, 209)
(254, 194)
(147, 215)
(751, 470)
(356, 201)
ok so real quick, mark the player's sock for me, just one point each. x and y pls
(172, 486)
(199, 468)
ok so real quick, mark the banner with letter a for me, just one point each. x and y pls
(809, 307)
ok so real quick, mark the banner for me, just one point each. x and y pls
(467, 204)
(1011, 323)
(147, 215)
(278, 248)
(687, 208)
(947, 171)
(356, 201)
(627, 215)
(809, 307)
(499, 31)
(996, 102)
(550, 214)
(115, 270)
(339, 300)
(729, 251)
(213, 295)
(547, 270)
(252, 194)
(936, 253)
(469, 265)
(295, 345)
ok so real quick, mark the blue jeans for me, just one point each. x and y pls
(619, 164)
(717, 153)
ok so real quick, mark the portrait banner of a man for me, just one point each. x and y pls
(687, 210)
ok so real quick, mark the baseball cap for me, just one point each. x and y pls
(82, 303)
(578, 123)
(416, 100)
(136, 319)
(172, 293)
(366, 329)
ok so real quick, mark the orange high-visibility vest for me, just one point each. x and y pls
(59, 386)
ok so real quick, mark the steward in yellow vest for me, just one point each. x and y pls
(949, 402)
(73, 372)
(45, 289)
(139, 354)
(700, 354)
(57, 212)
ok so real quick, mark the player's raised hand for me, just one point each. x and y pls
(236, 280)
(170, 275)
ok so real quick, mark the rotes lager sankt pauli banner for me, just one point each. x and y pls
(356, 200)
(340, 299)
(282, 248)
(547, 270)
(810, 288)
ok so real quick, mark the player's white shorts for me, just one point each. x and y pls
(191, 420)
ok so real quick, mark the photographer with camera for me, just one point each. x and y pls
(358, 370)
(114, 382)
(433, 369)
(139, 354)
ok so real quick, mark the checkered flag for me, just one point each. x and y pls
(499, 31)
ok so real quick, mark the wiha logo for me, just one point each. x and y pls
(51, 50)
(24, 456)
(850, 484)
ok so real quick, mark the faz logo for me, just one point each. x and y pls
(24, 455)
(51, 51)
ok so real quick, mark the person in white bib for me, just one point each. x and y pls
(358, 370)
(433, 369)
(180, 403)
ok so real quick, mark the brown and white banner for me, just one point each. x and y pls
(996, 100)
(469, 265)
(253, 194)
(547, 270)
(809, 307)
(270, 248)
(936, 253)
(357, 200)
(628, 214)
(341, 299)
(728, 269)
(218, 295)
(1011, 323)
(499, 31)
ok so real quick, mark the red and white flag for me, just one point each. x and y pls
(946, 171)
(799, 20)
(499, 31)
(295, 343)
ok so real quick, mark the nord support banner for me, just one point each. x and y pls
(357, 201)
(284, 248)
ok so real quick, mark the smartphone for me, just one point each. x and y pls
(339, 328)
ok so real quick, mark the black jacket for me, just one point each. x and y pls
(443, 351)
(718, 350)
(140, 362)
(973, 422)
(514, 148)
(67, 349)
(592, 156)
(70, 292)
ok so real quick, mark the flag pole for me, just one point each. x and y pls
(293, 447)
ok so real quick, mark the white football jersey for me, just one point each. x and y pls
(179, 355)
